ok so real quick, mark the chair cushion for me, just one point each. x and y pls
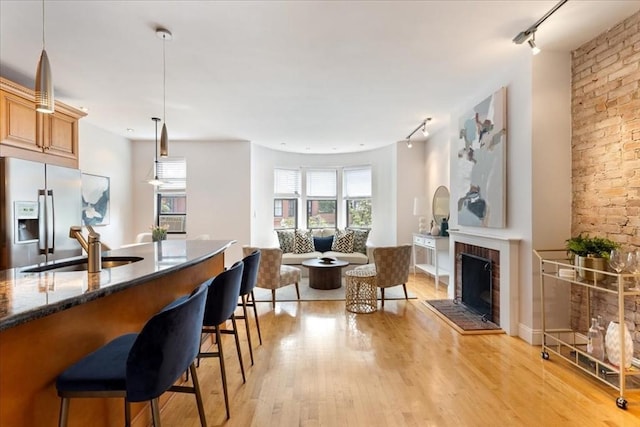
(323, 244)
(303, 242)
(360, 236)
(103, 370)
(289, 275)
(343, 241)
(286, 239)
(367, 267)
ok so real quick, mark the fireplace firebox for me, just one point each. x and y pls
(477, 284)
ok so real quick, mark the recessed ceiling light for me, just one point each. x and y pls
(85, 109)
(130, 130)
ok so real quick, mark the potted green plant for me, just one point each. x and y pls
(590, 252)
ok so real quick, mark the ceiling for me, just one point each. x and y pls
(301, 76)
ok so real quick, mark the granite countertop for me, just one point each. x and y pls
(29, 296)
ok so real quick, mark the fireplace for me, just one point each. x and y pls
(477, 284)
(503, 253)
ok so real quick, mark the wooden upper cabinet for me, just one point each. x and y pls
(27, 134)
(18, 122)
(60, 135)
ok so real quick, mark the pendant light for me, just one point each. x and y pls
(45, 102)
(164, 138)
(155, 181)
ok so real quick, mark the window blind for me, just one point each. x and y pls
(321, 183)
(286, 182)
(357, 182)
(172, 171)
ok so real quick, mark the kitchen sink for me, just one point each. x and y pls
(82, 265)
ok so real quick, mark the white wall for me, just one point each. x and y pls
(538, 167)
(551, 171)
(436, 165)
(106, 154)
(218, 190)
(386, 206)
(411, 184)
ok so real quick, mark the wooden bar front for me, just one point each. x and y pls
(33, 354)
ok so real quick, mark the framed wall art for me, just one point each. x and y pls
(480, 167)
(95, 199)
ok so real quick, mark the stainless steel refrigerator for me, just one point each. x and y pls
(38, 204)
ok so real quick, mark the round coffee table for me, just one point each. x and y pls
(323, 275)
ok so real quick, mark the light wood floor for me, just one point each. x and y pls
(402, 366)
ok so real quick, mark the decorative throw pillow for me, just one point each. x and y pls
(323, 244)
(286, 239)
(303, 242)
(360, 236)
(343, 241)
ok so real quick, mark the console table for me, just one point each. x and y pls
(433, 245)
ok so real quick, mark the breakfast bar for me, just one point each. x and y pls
(51, 319)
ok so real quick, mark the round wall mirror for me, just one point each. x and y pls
(440, 204)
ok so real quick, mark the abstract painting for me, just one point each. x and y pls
(95, 199)
(480, 167)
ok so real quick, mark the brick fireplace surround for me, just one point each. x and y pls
(503, 252)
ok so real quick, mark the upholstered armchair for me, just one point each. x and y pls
(391, 266)
(272, 274)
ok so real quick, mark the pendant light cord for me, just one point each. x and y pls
(42, 24)
(164, 80)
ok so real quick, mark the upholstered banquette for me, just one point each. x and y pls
(348, 245)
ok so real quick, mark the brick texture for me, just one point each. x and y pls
(606, 156)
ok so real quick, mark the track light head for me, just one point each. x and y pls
(532, 44)
(409, 144)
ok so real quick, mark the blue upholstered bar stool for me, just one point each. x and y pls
(142, 366)
(247, 299)
(222, 301)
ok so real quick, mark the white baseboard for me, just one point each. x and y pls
(532, 336)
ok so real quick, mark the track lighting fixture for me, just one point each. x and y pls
(423, 127)
(532, 44)
(45, 102)
(529, 35)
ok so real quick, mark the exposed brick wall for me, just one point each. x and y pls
(606, 154)
(606, 134)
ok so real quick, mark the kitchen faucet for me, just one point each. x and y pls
(92, 247)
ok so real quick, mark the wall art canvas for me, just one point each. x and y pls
(95, 199)
(480, 166)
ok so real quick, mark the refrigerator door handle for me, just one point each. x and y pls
(42, 222)
(51, 227)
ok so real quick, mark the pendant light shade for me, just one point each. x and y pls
(164, 141)
(45, 102)
(164, 137)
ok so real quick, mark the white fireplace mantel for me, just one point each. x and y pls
(509, 264)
